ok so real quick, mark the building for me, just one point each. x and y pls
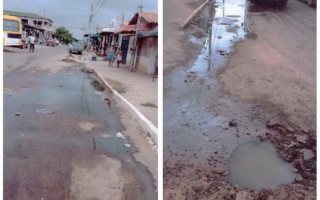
(33, 23)
(146, 49)
(109, 38)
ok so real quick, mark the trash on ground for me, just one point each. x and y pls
(45, 111)
(222, 52)
(127, 145)
(17, 114)
(106, 136)
(120, 135)
(108, 102)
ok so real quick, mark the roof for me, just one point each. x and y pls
(24, 14)
(95, 35)
(131, 28)
(151, 33)
(108, 30)
(148, 17)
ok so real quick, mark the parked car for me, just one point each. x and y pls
(57, 42)
(50, 42)
(77, 47)
(277, 3)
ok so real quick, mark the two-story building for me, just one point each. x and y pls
(33, 23)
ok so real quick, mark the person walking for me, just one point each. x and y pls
(119, 56)
(70, 48)
(31, 41)
(111, 56)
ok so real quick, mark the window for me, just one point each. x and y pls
(10, 25)
(25, 21)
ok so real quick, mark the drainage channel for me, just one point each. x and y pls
(119, 146)
(203, 125)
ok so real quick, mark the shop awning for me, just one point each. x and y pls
(96, 36)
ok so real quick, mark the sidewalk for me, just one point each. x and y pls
(136, 87)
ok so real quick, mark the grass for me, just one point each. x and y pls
(149, 105)
(120, 90)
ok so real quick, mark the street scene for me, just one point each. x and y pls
(239, 99)
(80, 103)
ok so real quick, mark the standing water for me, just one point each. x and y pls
(257, 165)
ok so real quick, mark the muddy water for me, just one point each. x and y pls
(202, 124)
(44, 146)
(257, 165)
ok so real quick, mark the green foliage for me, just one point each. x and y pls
(120, 90)
(63, 34)
(149, 105)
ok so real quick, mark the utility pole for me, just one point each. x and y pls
(90, 22)
(134, 45)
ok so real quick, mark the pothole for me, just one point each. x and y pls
(257, 165)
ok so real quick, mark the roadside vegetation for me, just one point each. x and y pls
(149, 105)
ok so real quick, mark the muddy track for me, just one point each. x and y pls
(204, 124)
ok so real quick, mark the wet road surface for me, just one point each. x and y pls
(202, 124)
(40, 149)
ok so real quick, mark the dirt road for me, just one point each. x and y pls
(279, 65)
(218, 97)
(78, 151)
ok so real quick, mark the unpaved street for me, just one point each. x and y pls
(229, 86)
(62, 140)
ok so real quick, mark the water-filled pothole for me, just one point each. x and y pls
(95, 84)
(257, 165)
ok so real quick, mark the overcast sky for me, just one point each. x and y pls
(74, 14)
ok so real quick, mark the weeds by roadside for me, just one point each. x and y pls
(120, 90)
(149, 105)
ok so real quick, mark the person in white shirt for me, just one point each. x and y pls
(31, 41)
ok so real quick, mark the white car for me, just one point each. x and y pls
(57, 42)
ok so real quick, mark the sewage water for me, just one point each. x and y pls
(196, 110)
(223, 31)
(257, 165)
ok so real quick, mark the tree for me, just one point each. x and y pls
(64, 35)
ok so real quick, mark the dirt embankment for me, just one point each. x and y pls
(278, 66)
(177, 48)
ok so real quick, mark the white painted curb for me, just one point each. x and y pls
(144, 123)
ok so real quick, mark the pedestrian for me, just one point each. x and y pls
(31, 41)
(70, 48)
(27, 40)
(119, 56)
(111, 56)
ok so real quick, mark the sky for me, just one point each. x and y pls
(74, 14)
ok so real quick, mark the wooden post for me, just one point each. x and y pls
(134, 46)
(186, 22)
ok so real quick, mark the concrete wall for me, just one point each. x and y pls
(147, 55)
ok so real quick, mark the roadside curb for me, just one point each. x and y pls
(145, 124)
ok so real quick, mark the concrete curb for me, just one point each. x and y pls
(144, 123)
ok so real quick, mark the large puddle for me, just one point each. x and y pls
(257, 165)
